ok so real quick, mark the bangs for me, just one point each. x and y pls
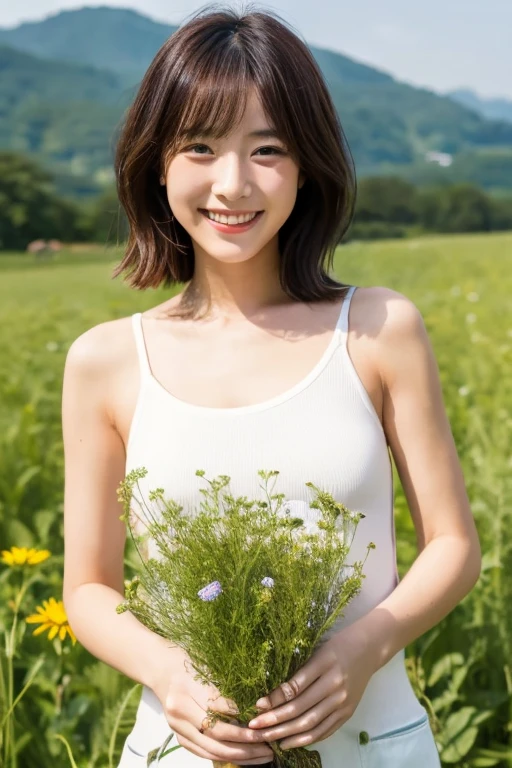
(214, 109)
(211, 95)
(198, 85)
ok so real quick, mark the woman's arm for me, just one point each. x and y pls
(325, 692)
(94, 536)
(421, 441)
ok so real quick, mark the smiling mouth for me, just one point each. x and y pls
(254, 215)
(228, 213)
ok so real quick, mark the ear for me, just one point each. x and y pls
(302, 179)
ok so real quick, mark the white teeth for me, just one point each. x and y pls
(221, 219)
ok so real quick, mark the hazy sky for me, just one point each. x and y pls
(438, 44)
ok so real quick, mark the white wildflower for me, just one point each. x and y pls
(472, 297)
(471, 318)
(464, 391)
(52, 346)
(455, 291)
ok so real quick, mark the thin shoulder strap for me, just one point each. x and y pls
(141, 345)
(345, 307)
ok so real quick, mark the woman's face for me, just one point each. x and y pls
(239, 173)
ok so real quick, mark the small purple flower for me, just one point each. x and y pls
(267, 581)
(210, 592)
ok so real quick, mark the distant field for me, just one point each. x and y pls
(463, 287)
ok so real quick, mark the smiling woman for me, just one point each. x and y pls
(236, 179)
(235, 108)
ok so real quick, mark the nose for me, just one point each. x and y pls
(231, 178)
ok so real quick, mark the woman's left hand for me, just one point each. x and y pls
(320, 696)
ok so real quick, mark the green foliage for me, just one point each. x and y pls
(388, 206)
(462, 285)
(29, 208)
(279, 582)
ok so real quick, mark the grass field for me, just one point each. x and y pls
(461, 670)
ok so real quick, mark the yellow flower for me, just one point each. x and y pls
(52, 617)
(24, 556)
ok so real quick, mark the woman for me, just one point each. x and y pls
(263, 360)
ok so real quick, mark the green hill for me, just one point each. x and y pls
(63, 115)
(116, 39)
(493, 109)
(67, 80)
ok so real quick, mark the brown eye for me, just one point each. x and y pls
(275, 150)
(195, 146)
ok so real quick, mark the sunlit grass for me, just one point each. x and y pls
(461, 669)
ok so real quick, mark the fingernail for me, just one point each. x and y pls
(263, 703)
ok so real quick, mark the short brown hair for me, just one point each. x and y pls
(198, 83)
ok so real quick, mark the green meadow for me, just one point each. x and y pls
(61, 707)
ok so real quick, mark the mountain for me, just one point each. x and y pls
(115, 39)
(493, 109)
(71, 76)
(63, 115)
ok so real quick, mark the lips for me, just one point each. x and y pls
(232, 228)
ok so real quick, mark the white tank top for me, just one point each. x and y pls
(324, 430)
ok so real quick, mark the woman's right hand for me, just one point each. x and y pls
(185, 702)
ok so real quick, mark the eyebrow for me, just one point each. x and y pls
(263, 133)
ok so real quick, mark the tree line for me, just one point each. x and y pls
(30, 209)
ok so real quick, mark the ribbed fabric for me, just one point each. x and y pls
(325, 430)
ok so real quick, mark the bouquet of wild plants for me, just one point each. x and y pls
(246, 588)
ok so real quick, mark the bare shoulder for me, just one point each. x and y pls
(380, 311)
(386, 337)
(99, 360)
(101, 347)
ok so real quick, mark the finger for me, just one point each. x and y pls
(321, 732)
(305, 722)
(233, 752)
(220, 704)
(233, 731)
(194, 748)
(230, 732)
(311, 696)
(215, 701)
(185, 718)
(245, 749)
(224, 750)
(285, 692)
(301, 680)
